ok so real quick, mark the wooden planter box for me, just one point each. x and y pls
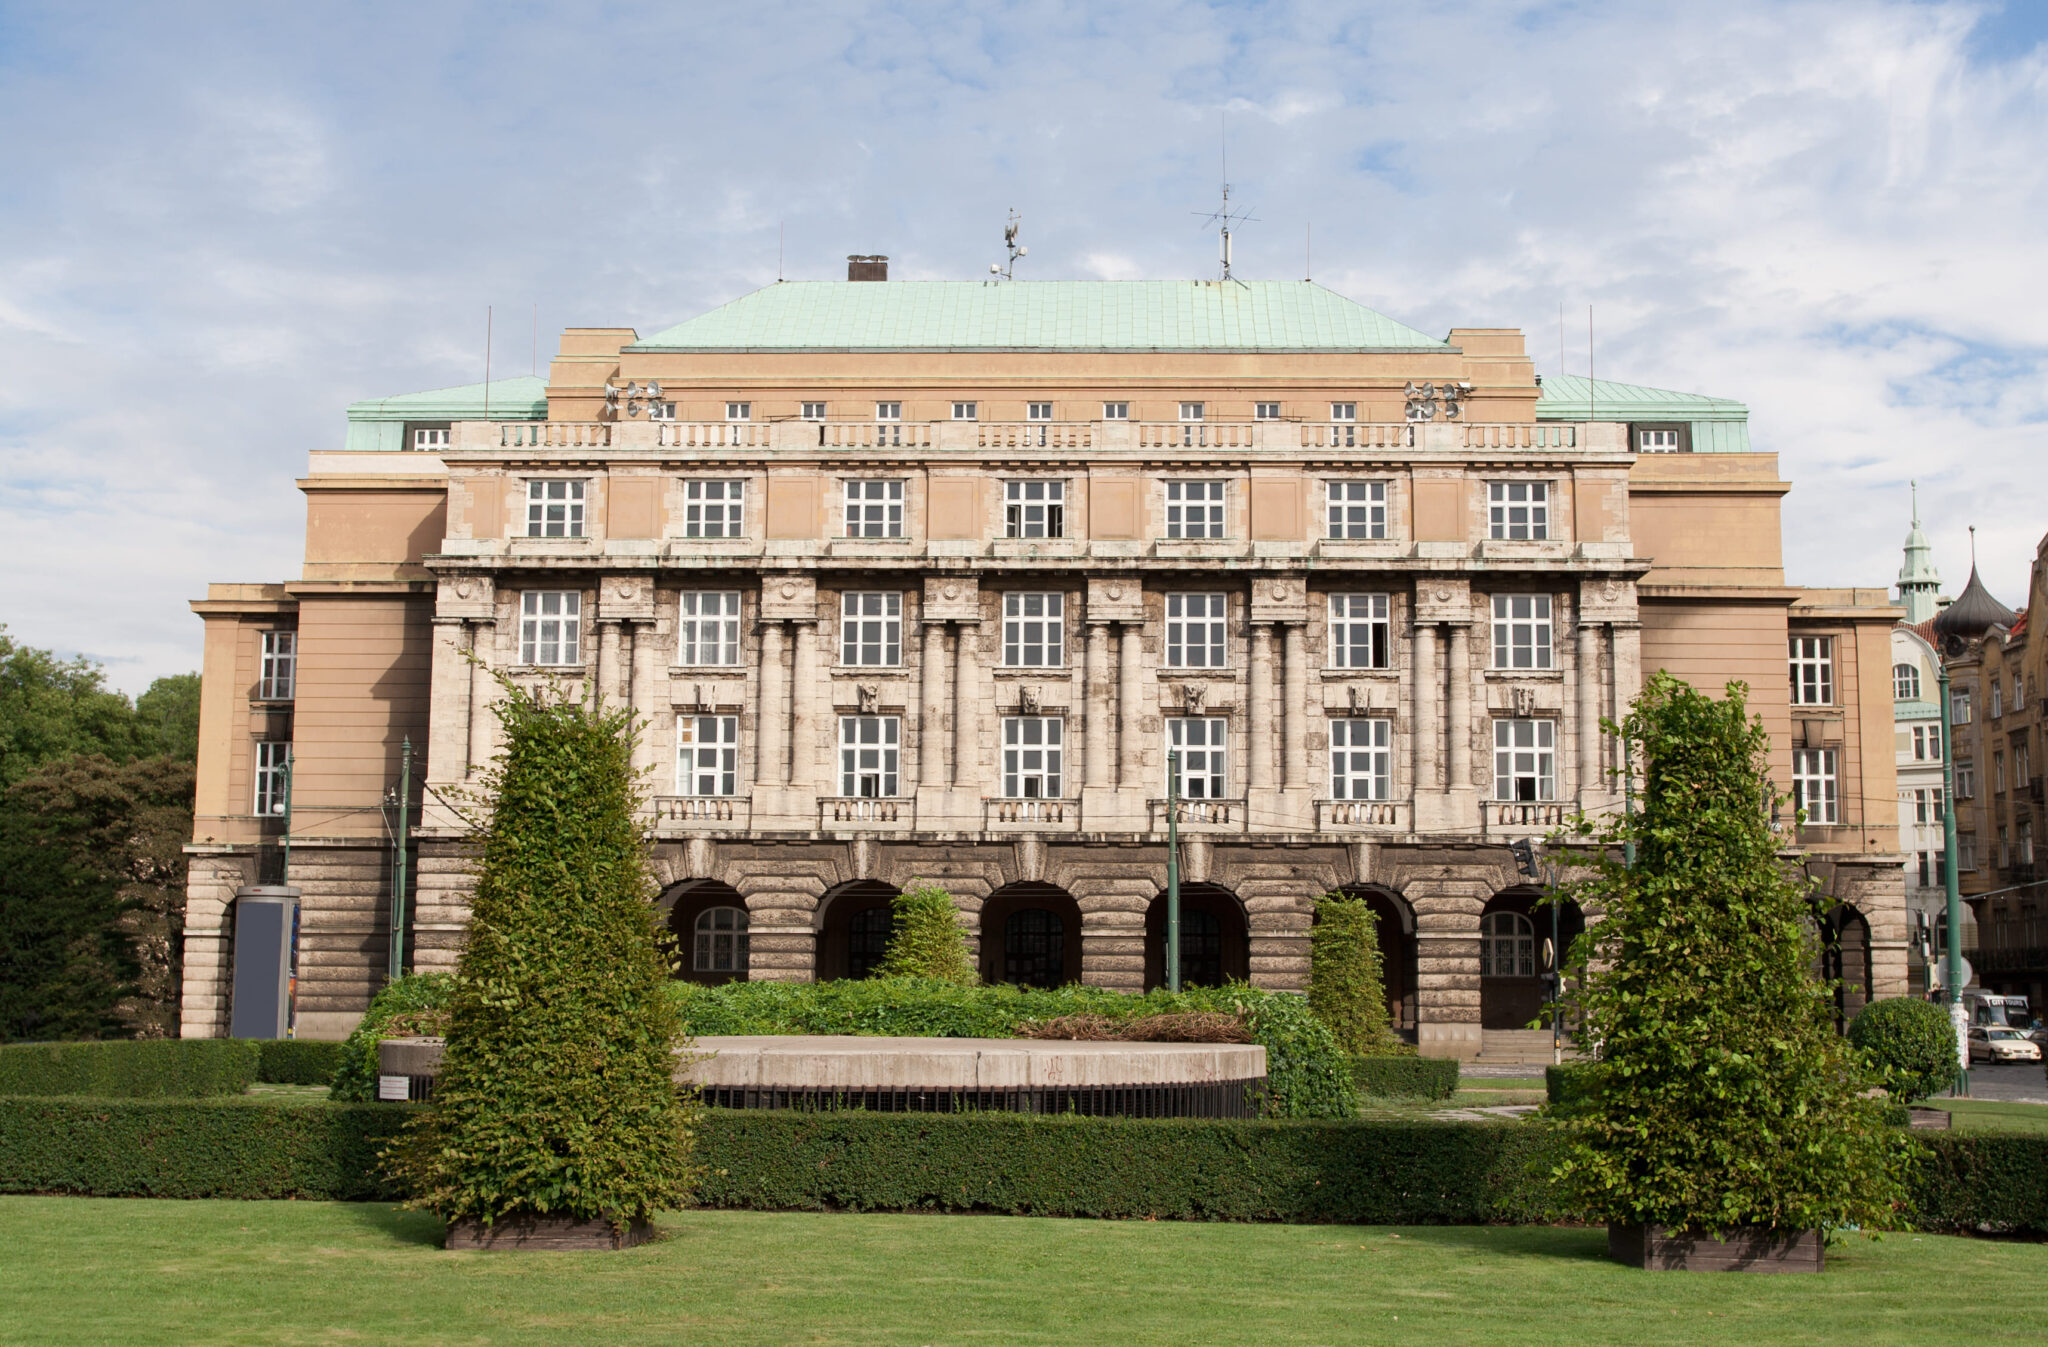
(1755, 1251)
(546, 1232)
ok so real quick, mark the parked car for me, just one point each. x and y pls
(1988, 1043)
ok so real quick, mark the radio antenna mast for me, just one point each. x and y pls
(1223, 217)
(1016, 249)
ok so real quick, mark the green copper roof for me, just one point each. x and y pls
(379, 423)
(1719, 425)
(1041, 316)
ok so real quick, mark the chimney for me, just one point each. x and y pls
(866, 267)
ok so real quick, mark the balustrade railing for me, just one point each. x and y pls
(1518, 814)
(554, 435)
(1379, 815)
(1538, 435)
(707, 811)
(1034, 434)
(875, 434)
(1196, 434)
(1358, 435)
(866, 812)
(1030, 813)
(1202, 815)
(712, 435)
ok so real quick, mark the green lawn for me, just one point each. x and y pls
(1992, 1115)
(80, 1270)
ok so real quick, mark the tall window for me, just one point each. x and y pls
(1521, 631)
(721, 941)
(1357, 509)
(2025, 831)
(2022, 763)
(2019, 693)
(551, 627)
(966, 411)
(739, 411)
(1035, 509)
(1116, 411)
(1927, 806)
(1524, 759)
(1966, 781)
(1344, 425)
(1361, 634)
(554, 509)
(1518, 511)
(1927, 743)
(1034, 631)
(1998, 773)
(714, 509)
(812, 411)
(1905, 683)
(888, 429)
(1203, 743)
(1194, 630)
(1813, 670)
(874, 509)
(1507, 946)
(870, 748)
(707, 755)
(871, 628)
(708, 628)
(1361, 759)
(1032, 749)
(1959, 706)
(1813, 784)
(1966, 853)
(1997, 697)
(273, 775)
(280, 666)
(1194, 509)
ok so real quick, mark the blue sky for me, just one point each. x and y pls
(220, 224)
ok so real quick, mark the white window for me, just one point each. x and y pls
(1927, 743)
(812, 411)
(2025, 828)
(1521, 631)
(874, 509)
(888, 411)
(554, 509)
(1116, 411)
(1357, 509)
(1361, 759)
(1998, 773)
(1997, 698)
(708, 628)
(1265, 411)
(430, 437)
(1034, 631)
(280, 666)
(1813, 670)
(714, 509)
(2022, 764)
(1203, 746)
(1813, 784)
(1959, 706)
(1194, 509)
(1191, 411)
(1032, 748)
(1657, 441)
(1507, 946)
(871, 628)
(739, 411)
(1524, 759)
(721, 945)
(870, 752)
(1518, 511)
(966, 411)
(1966, 781)
(707, 755)
(1966, 854)
(1343, 413)
(661, 411)
(1035, 509)
(2019, 693)
(1905, 683)
(889, 425)
(1038, 411)
(273, 775)
(1361, 632)
(1927, 806)
(1194, 630)
(551, 627)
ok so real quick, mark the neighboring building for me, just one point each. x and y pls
(927, 580)
(1923, 792)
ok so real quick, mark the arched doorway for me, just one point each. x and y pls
(1845, 960)
(853, 929)
(1394, 925)
(1215, 938)
(1517, 957)
(707, 921)
(1031, 936)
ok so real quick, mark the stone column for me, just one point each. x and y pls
(804, 712)
(1588, 675)
(1259, 711)
(1458, 706)
(608, 659)
(642, 701)
(1130, 705)
(1427, 717)
(771, 714)
(482, 643)
(448, 739)
(1101, 709)
(1295, 716)
(966, 709)
(931, 734)
(1627, 659)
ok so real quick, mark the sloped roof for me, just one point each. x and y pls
(508, 399)
(1973, 613)
(1041, 316)
(1570, 397)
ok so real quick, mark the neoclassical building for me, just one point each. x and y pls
(946, 580)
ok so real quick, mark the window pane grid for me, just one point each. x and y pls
(1035, 509)
(707, 755)
(1194, 630)
(1194, 509)
(713, 509)
(280, 666)
(874, 509)
(1524, 760)
(1203, 743)
(273, 776)
(554, 509)
(1357, 509)
(869, 755)
(1521, 631)
(1813, 784)
(1361, 759)
(1361, 634)
(551, 627)
(871, 628)
(708, 628)
(1034, 631)
(1813, 670)
(1033, 747)
(1518, 511)
(721, 941)
(1507, 946)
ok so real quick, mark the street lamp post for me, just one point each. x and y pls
(1172, 872)
(1952, 978)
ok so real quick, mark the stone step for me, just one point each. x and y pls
(1516, 1047)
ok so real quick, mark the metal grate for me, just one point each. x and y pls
(1210, 1099)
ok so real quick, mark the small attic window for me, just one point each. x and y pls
(1670, 438)
(428, 438)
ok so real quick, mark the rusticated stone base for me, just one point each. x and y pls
(546, 1232)
(1657, 1248)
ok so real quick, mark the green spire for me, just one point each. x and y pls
(1919, 582)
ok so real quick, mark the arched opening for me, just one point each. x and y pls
(1394, 924)
(853, 931)
(1521, 945)
(1215, 938)
(1845, 960)
(707, 921)
(1031, 936)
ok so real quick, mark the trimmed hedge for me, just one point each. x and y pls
(1966, 1182)
(136, 1068)
(1561, 1083)
(1405, 1077)
(297, 1061)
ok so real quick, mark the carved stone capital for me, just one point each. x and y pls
(628, 597)
(1115, 598)
(1279, 598)
(952, 598)
(465, 596)
(786, 598)
(1443, 598)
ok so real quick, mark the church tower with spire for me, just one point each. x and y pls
(1919, 582)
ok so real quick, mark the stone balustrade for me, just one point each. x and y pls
(1361, 815)
(1031, 815)
(1212, 816)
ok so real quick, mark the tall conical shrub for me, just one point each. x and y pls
(926, 940)
(556, 1094)
(1346, 985)
(1720, 1095)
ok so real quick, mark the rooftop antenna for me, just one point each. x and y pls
(1223, 216)
(1592, 384)
(1307, 252)
(534, 367)
(778, 251)
(1017, 250)
(487, 362)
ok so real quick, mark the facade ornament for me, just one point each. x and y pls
(1361, 698)
(870, 698)
(463, 589)
(1115, 590)
(1191, 695)
(1027, 700)
(952, 591)
(1523, 701)
(789, 589)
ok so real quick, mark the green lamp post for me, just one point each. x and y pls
(1952, 979)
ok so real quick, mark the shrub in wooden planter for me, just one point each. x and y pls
(1346, 989)
(926, 940)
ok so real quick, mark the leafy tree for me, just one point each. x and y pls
(167, 717)
(1346, 989)
(927, 941)
(1721, 1096)
(52, 708)
(1910, 1043)
(556, 1095)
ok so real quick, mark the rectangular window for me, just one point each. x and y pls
(280, 666)
(888, 411)
(1521, 631)
(1361, 759)
(1038, 411)
(661, 411)
(870, 754)
(889, 425)
(1813, 670)
(273, 776)
(1524, 759)
(1194, 630)
(1998, 773)
(2025, 828)
(708, 628)
(1657, 441)
(1997, 697)
(1927, 743)
(1265, 411)
(2004, 847)
(1032, 749)
(1357, 509)
(966, 411)
(1194, 509)
(1813, 784)
(1518, 511)
(1034, 631)
(430, 438)
(554, 509)
(1959, 706)
(2019, 693)
(739, 411)
(812, 411)
(551, 627)
(1361, 632)
(1191, 411)
(1966, 781)
(1035, 509)
(1343, 413)
(874, 509)
(707, 755)
(1116, 411)
(871, 628)
(1966, 854)
(1924, 868)
(2022, 764)
(714, 509)
(1203, 743)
